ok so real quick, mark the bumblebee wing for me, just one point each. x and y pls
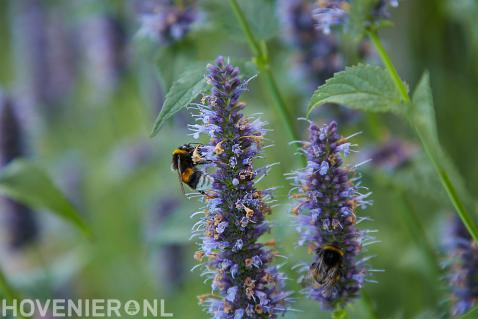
(179, 175)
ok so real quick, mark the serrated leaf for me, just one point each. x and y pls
(362, 87)
(175, 59)
(189, 85)
(29, 184)
(259, 13)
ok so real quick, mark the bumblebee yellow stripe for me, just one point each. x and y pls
(178, 151)
(330, 247)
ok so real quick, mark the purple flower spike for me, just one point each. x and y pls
(463, 275)
(245, 284)
(327, 198)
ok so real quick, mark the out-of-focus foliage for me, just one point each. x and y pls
(259, 13)
(27, 183)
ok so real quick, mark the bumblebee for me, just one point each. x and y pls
(185, 160)
(327, 270)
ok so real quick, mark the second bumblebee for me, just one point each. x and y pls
(327, 270)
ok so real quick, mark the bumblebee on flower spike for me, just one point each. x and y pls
(326, 271)
(327, 197)
(245, 282)
(185, 160)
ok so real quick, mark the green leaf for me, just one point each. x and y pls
(473, 313)
(175, 59)
(6, 288)
(422, 116)
(182, 92)
(9, 292)
(358, 18)
(423, 112)
(363, 87)
(29, 184)
(259, 13)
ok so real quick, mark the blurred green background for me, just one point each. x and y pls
(87, 88)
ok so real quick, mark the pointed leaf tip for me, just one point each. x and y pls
(31, 185)
(189, 85)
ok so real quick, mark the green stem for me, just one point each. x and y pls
(279, 102)
(253, 43)
(6, 288)
(450, 188)
(389, 65)
(262, 61)
(472, 313)
(429, 150)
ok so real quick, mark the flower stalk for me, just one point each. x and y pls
(262, 61)
(389, 65)
(446, 182)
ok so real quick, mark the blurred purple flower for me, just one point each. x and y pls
(44, 46)
(463, 270)
(21, 221)
(234, 217)
(331, 13)
(104, 45)
(166, 22)
(318, 54)
(393, 154)
(380, 11)
(170, 257)
(131, 156)
(327, 197)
